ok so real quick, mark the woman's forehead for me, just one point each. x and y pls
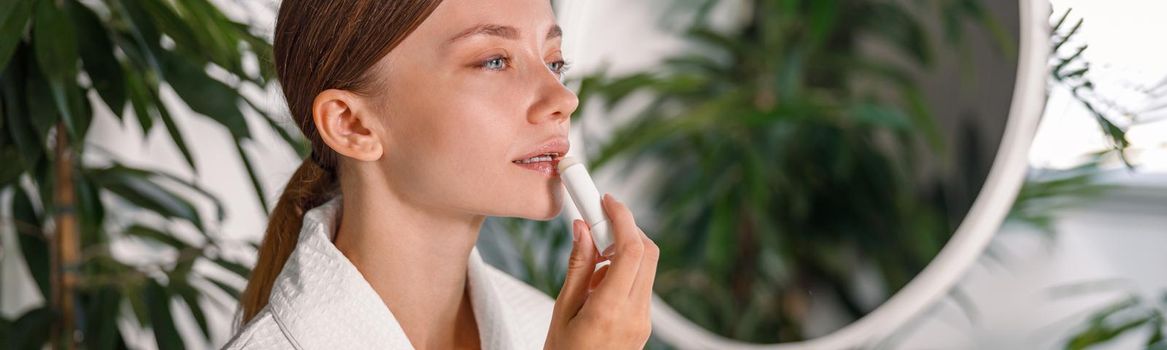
(454, 21)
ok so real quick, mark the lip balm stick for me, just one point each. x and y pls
(583, 193)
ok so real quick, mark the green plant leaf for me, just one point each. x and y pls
(190, 296)
(881, 116)
(142, 101)
(823, 17)
(234, 267)
(204, 94)
(97, 56)
(91, 213)
(717, 41)
(220, 211)
(43, 113)
(1156, 338)
(1065, 38)
(43, 169)
(899, 28)
(13, 21)
(921, 116)
(226, 288)
(200, 31)
(146, 38)
(161, 320)
(100, 325)
(155, 235)
(56, 54)
(33, 244)
(1101, 333)
(136, 297)
(167, 21)
(143, 192)
(722, 246)
(1001, 37)
(179, 276)
(218, 37)
(33, 328)
(175, 133)
(13, 166)
(297, 142)
(19, 119)
(1067, 61)
(263, 51)
(253, 175)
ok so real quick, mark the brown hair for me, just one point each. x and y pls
(321, 45)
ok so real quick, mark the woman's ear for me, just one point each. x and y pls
(345, 125)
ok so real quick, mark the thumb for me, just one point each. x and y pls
(580, 266)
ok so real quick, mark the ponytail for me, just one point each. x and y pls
(311, 185)
(320, 45)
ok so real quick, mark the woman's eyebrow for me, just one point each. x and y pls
(502, 31)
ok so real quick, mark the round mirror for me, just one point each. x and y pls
(816, 173)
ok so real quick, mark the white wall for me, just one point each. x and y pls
(1118, 239)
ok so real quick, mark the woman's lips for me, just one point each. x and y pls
(547, 168)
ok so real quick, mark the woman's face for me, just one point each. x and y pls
(474, 89)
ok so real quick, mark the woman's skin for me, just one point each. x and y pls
(428, 155)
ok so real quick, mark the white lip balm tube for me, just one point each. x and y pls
(583, 193)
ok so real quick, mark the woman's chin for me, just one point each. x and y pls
(545, 214)
(531, 205)
(543, 209)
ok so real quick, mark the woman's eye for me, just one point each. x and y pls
(500, 63)
(559, 67)
(495, 63)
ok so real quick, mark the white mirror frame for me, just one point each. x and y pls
(962, 250)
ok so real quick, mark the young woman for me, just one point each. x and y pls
(421, 114)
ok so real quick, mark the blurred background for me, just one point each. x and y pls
(798, 162)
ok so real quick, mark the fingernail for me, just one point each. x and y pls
(575, 231)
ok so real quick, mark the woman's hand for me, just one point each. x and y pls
(610, 307)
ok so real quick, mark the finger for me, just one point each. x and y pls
(646, 275)
(580, 266)
(628, 249)
(598, 277)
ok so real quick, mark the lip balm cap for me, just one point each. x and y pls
(567, 162)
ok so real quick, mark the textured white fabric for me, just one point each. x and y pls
(321, 301)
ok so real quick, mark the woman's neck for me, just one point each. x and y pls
(415, 258)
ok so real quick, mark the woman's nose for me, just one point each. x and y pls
(555, 102)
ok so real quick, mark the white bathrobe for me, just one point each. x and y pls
(321, 301)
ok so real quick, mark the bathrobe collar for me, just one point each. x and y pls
(321, 292)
